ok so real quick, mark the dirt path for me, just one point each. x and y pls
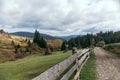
(108, 65)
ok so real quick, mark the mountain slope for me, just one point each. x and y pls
(69, 37)
(31, 35)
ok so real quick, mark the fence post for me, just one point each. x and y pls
(79, 59)
(74, 50)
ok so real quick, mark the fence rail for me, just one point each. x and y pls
(54, 72)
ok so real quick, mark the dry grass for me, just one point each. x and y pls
(55, 43)
(7, 50)
(5, 41)
(6, 55)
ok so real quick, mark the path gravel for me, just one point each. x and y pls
(108, 65)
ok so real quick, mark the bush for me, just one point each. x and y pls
(16, 50)
(48, 51)
(27, 50)
(18, 55)
(18, 46)
(101, 44)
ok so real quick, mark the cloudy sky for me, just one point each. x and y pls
(60, 17)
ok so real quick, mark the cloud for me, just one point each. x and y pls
(60, 17)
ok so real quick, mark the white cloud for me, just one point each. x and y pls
(60, 17)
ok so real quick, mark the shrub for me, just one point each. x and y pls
(101, 44)
(16, 50)
(48, 51)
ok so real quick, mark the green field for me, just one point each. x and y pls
(31, 66)
(114, 48)
(89, 69)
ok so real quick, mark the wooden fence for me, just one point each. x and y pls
(76, 61)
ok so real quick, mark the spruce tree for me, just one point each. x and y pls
(29, 43)
(42, 43)
(63, 47)
(39, 40)
(36, 37)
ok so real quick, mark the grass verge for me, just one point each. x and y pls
(88, 71)
(30, 67)
(113, 48)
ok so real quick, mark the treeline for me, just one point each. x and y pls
(38, 45)
(93, 39)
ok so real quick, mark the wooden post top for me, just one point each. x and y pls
(74, 50)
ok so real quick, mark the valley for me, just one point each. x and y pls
(24, 58)
(59, 39)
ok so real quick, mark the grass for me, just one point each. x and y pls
(6, 55)
(115, 43)
(114, 48)
(88, 71)
(30, 67)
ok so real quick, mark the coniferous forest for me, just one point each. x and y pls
(93, 39)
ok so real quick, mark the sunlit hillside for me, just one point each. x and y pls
(7, 49)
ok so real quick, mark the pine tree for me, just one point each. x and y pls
(36, 38)
(39, 40)
(43, 43)
(63, 47)
(29, 43)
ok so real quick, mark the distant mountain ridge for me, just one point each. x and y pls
(69, 37)
(31, 35)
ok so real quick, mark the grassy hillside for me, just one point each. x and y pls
(6, 39)
(7, 49)
(6, 55)
(29, 67)
(114, 48)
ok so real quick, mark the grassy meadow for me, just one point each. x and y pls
(31, 66)
(114, 48)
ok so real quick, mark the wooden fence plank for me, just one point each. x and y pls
(55, 71)
(58, 69)
(72, 70)
(76, 77)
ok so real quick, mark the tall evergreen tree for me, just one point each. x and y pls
(39, 40)
(36, 38)
(43, 43)
(72, 43)
(64, 45)
(29, 43)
